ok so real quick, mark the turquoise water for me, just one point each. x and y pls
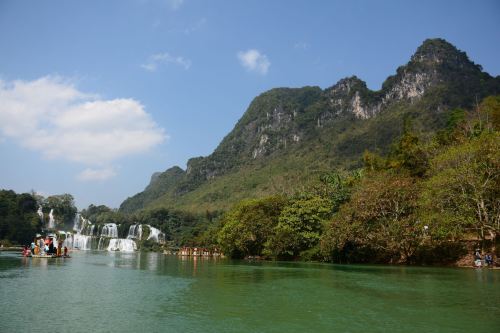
(150, 292)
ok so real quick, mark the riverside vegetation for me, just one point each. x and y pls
(406, 174)
(417, 205)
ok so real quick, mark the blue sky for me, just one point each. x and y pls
(95, 96)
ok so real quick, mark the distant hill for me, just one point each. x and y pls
(289, 136)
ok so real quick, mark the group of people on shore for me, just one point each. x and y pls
(45, 246)
(479, 262)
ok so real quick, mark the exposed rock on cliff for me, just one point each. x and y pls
(294, 126)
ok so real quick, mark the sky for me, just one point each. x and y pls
(97, 95)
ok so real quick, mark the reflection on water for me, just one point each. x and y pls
(131, 292)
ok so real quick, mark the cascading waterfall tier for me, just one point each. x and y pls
(88, 236)
(78, 241)
(109, 230)
(77, 223)
(40, 213)
(135, 231)
(52, 222)
(122, 245)
(156, 235)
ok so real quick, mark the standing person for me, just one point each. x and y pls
(65, 251)
(33, 247)
(40, 244)
(37, 249)
(59, 250)
(51, 247)
(477, 259)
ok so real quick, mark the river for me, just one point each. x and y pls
(151, 292)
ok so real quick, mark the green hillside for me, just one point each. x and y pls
(290, 136)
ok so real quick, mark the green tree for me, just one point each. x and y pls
(299, 227)
(378, 223)
(463, 191)
(19, 221)
(246, 228)
(64, 209)
(337, 186)
(92, 211)
(408, 153)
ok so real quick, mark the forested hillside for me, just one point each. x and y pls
(288, 137)
(427, 201)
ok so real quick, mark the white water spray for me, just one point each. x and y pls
(109, 230)
(77, 225)
(52, 222)
(135, 231)
(78, 241)
(40, 213)
(122, 245)
(156, 235)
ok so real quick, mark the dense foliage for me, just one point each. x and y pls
(417, 204)
(19, 221)
(64, 209)
(284, 227)
(247, 227)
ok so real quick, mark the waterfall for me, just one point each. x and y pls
(109, 230)
(52, 223)
(135, 231)
(89, 236)
(68, 242)
(40, 213)
(77, 225)
(78, 241)
(88, 228)
(82, 242)
(122, 245)
(156, 235)
(103, 243)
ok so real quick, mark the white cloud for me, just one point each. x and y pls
(165, 58)
(96, 174)
(301, 46)
(150, 66)
(51, 116)
(175, 4)
(254, 61)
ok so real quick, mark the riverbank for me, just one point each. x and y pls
(466, 261)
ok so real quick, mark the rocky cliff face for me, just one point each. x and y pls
(282, 120)
(278, 119)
